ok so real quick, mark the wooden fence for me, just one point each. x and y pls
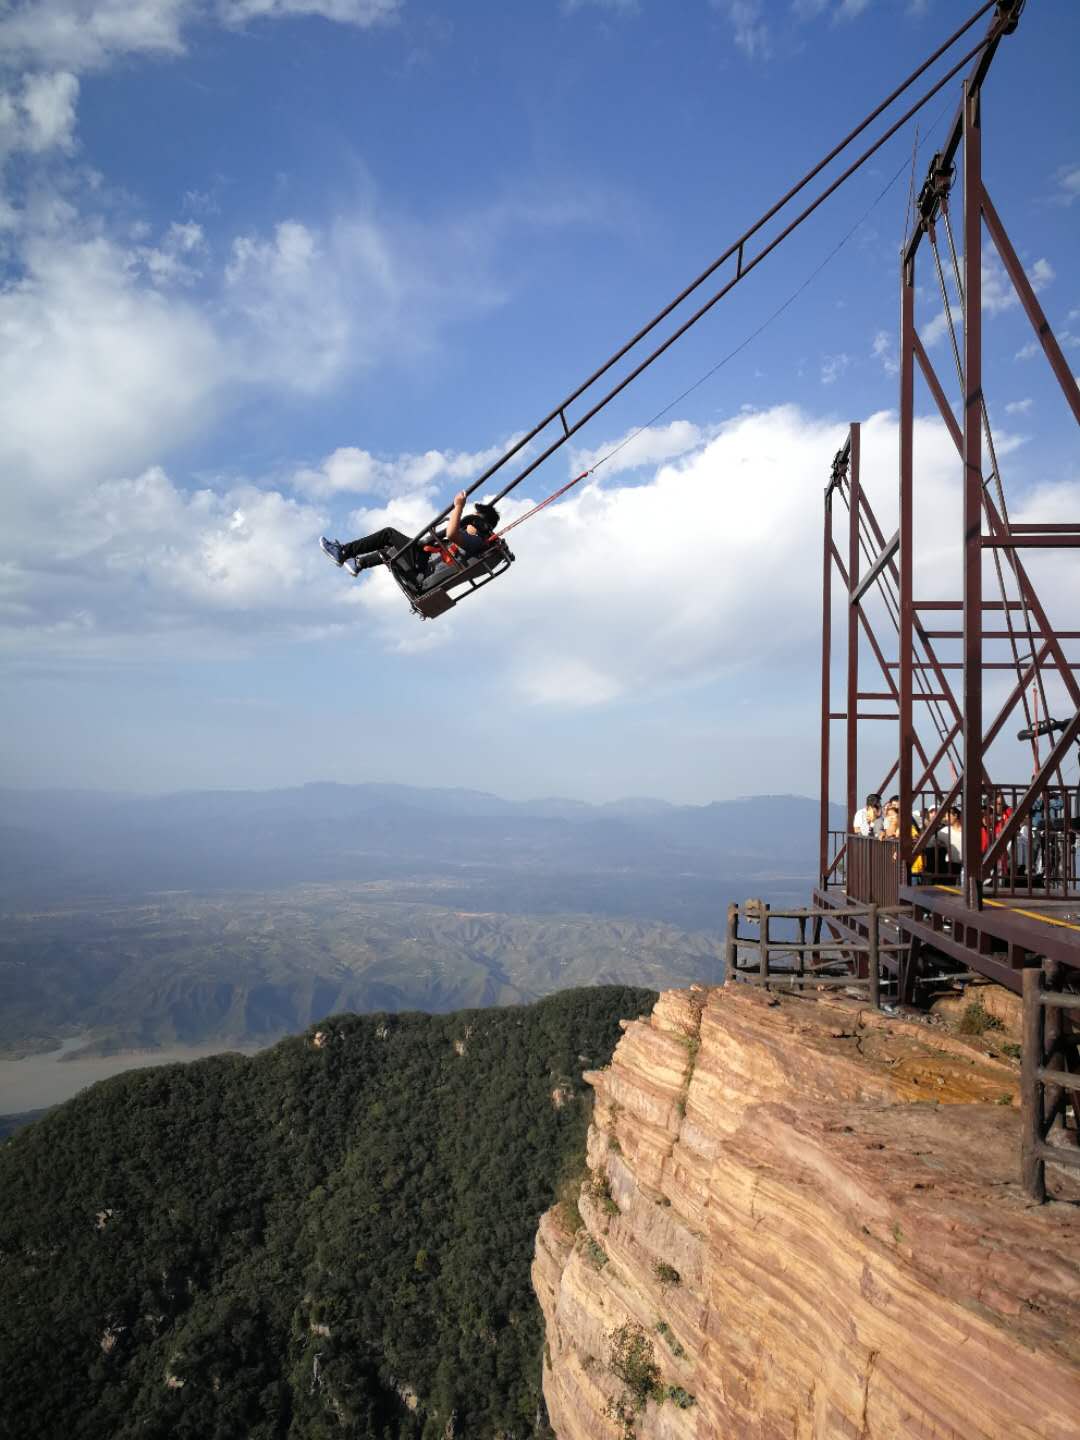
(1048, 1089)
(814, 962)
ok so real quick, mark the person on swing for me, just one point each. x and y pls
(469, 535)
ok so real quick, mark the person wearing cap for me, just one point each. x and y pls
(468, 536)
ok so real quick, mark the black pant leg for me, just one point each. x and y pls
(385, 539)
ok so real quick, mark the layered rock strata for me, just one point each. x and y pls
(808, 1216)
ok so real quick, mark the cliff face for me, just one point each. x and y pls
(806, 1217)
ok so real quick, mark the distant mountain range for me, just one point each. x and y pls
(240, 916)
(56, 843)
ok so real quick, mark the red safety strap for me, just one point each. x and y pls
(447, 553)
(537, 508)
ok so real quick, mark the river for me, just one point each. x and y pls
(37, 1081)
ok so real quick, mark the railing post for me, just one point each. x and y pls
(802, 944)
(1051, 1032)
(1032, 1167)
(872, 957)
(731, 945)
(763, 941)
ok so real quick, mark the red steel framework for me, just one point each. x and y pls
(1003, 893)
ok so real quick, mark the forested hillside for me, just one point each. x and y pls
(331, 1238)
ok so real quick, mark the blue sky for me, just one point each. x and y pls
(270, 268)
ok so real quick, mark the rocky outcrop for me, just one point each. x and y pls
(802, 1219)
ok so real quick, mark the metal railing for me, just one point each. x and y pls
(873, 870)
(1041, 860)
(1048, 1090)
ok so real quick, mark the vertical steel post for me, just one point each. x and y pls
(826, 686)
(731, 945)
(852, 708)
(1032, 1168)
(971, 820)
(873, 957)
(906, 635)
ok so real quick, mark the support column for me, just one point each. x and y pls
(973, 504)
(826, 686)
(852, 708)
(906, 636)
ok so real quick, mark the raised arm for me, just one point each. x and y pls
(454, 523)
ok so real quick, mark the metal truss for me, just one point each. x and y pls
(944, 730)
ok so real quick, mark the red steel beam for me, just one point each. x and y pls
(851, 705)
(1032, 308)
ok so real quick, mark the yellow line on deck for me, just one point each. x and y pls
(1014, 910)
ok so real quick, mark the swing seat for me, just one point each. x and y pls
(448, 584)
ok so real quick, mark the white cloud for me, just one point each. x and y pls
(141, 559)
(1067, 179)
(851, 9)
(650, 446)
(997, 290)
(751, 32)
(627, 7)
(883, 348)
(39, 115)
(833, 366)
(1018, 407)
(362, 13)
(352, 471)
(95, 371)
(1028, 351)
(1042, 273)
(841, 9)
(704, 569)
(173, 261)
(307, 302)
(938, 327)
(84, 35)
(87, 34)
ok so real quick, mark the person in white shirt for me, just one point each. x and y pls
(868, 820)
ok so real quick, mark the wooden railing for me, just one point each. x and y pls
(1048, 1088)
(793, 964)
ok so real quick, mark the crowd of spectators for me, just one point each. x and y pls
(941, 857)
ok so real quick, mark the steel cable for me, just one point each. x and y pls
(735, 250)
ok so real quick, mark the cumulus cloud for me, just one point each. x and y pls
(1067, 182)
(84, 35)
(705, 568)
(95, 371)
(840, 10)
(749, 27)
(352, 471)
(833, 366)
(851, 9)
(289, 305)
(175, 259)
(938, 327)
(144, 561)
(635, 449)
(87, 34)
(627, 7)
(38, 114)
(1018, 407)
(306, 301)
(362, 13)
(883, 348)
